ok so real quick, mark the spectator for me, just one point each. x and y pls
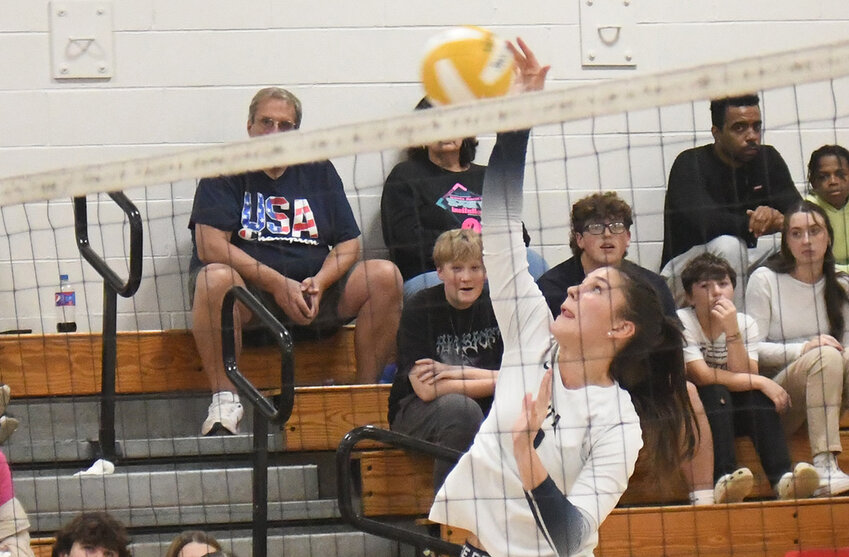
(92, 534)
(14, 523)
(436, 189)
(828, 175)
(721, 355)
(192, 543)
(289, 235)
(449, 348)
(725, 196)
(801, 307)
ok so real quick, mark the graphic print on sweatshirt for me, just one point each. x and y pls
(464, 204)
(275, 219)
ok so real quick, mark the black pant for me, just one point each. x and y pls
(749, 413)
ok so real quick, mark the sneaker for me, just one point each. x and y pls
(8, 425)
(225, 413)
(733, 487)
(833, 480)
(5, 396)
(801, 483)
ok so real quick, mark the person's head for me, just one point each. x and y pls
(273, 110)
(615, 312)
(601, 229)
(708, 278)
(92, 534)
(192, 543)
(467, 147)
(736, 128)
(458, 256)
(806, 236)
(828, 174)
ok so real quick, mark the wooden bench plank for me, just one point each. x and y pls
(744, 530)
(323, 415)
(157, 361)
(383, 495)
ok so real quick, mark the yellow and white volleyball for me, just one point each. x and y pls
(466, 63)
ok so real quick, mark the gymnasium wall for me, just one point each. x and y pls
(185, 71)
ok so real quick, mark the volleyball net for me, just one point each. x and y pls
(616, 135)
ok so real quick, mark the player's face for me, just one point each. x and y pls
(85, 550)
(195, 549)
(463, 281)
(831, 180)
(607, 248)
(272, 116)
(807, 238)
(706, 293)
(591, 310)
(739, 139)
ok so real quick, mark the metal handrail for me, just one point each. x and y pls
(346, 485)
(265, 410)
(113, 285)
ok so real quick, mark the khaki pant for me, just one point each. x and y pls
(818, 385)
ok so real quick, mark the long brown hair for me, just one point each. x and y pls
(784, 262)
(651, 368)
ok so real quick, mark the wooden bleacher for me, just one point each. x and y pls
(393, 483)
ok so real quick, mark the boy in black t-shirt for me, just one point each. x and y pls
(449, 351)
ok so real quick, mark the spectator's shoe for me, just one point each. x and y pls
(833, 480)
(8, 426)
(5, 396)
(225, 413)
(801, 483)
(733, 487)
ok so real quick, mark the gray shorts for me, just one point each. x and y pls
(325, 324)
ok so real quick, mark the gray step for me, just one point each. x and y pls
(150, 498)
(20, 451)
(220, 513)
(60, 429)
(324, 544)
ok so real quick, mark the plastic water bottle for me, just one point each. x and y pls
(66, 305)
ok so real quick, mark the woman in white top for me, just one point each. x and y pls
(544, 471)
(801, 306)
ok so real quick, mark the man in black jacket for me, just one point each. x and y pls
(723, 197)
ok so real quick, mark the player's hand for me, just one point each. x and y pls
(822, 340)
(775, 392)
(725, 313)
(528, 74)
(764, 220)
(533, 413)
(289, 297)
(312, 291)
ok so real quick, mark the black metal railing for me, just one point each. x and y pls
(113, 285)
(347, 488)
(265, 411)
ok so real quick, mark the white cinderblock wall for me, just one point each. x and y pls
(185, 71)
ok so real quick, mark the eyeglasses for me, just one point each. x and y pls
(270, 124)
(597, 228)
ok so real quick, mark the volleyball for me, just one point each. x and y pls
(466, 63)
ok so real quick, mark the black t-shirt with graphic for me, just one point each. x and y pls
(289, 224)
(421, 201)
(432, 328)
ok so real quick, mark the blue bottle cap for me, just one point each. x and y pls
(63, 277)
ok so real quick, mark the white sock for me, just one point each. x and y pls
(701, 497)
(225, 396)
(823, 460)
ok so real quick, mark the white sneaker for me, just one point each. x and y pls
(801, 483)
(833, 480)
(8, 425)
(225, 413)
(733, 487)
(5, 397)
